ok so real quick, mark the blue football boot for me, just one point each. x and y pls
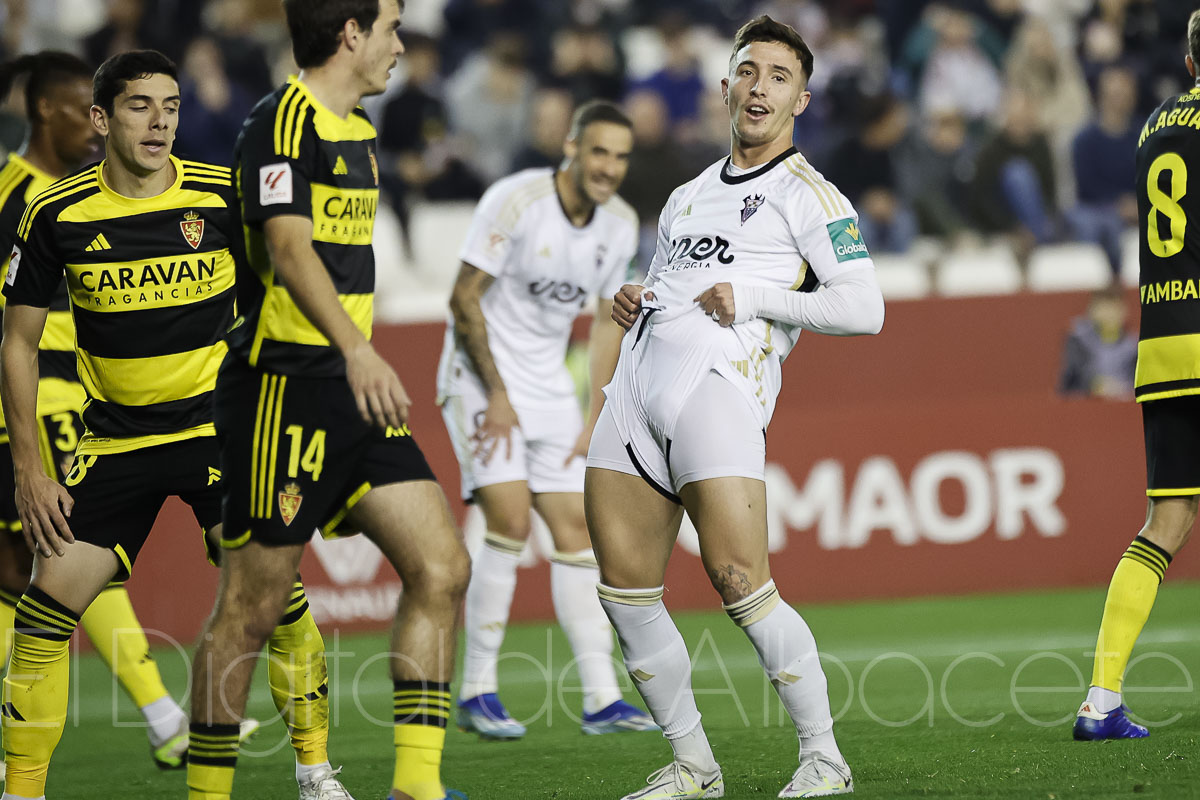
(616, 718)
(487, 716)
(1092, 726)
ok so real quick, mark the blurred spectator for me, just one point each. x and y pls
(215, 107)
(953, 60)
(548, 130)
(865, 169)
(936, 172)
(1100, 352)
(1104, 166)
(1049, 74)
(585, 63)
(122, 30)
(471, 25)
(419, 154)
(230, 23)
(1014, 190)
(678, 82)
(489, 104)
(808, 17)
(656, 165)
(1002, 16)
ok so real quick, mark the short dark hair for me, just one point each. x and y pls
(1193, 34)
(316, 24)
(596, 111)
(765, 29)
(122, 68)
(43, 72)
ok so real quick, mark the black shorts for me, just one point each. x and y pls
(1172, 429)
(58, 435)
(118, 495)
(296, 456)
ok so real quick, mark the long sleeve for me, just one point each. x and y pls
(849, 304)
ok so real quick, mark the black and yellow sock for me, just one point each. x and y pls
(212, 758)
(8, 615)
(1131, 596)
(422, 710)
(298, 679)
(35, 690)
(117, 635)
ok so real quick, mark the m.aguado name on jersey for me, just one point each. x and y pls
(183, 279)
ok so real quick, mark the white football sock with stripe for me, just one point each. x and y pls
(787, 652)
(489, 596)
(658, 662)
(573, 579)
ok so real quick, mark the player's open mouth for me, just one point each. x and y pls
(155, 146)
(757, 111)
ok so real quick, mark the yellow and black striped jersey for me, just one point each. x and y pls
(151, 282)
(59, 388)
(296, 157)
(1168, 156)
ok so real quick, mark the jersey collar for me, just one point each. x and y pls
(752, 174)
(28, 166)
(115, 195)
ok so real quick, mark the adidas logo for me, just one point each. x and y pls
(99, 243)
(340, 167)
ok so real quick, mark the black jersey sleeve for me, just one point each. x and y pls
(35, 269)
(274, 163)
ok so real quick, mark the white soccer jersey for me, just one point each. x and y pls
(545, 270)
(780, 226)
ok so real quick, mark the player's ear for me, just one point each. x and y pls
(570, 148)
(725, 91)
(99, 120)
(351, 34)
(802, 103)
(1190, 64)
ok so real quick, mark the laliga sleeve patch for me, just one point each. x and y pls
(13, 263)
(847, 240)
(275, 184)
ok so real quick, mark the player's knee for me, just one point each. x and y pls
(515, 525)
(444, 575)
(734, 581)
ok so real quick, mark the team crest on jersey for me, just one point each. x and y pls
(601, 251)
(289, 502)
(193, 229)
(751, 204)
(374, 165)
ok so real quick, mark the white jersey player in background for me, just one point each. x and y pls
(741, 251)
(541, 242)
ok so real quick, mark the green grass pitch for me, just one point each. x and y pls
(960, 697)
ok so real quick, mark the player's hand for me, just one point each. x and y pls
(717, 303)
(497, 426)
(44, 505)
(627, 304)
(580, 450)
(377, 390)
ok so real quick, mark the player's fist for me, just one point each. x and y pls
(627, 304)
(717, 303)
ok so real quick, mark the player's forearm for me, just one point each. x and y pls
(471, 332)
(850, 305)
(604, 348)
(313, 292)
(18, 390)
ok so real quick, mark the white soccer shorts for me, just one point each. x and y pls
(717, 435)
(539, 447)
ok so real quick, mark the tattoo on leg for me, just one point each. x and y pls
(731, 583)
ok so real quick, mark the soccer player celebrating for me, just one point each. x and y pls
(311, 419)
(741, 251)
(1167, 384)
(58, 96)
(541, 242)
(147, 244)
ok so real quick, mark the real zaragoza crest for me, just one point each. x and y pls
(289, 502)
(751, 204)
(374, 166)
(193, 229)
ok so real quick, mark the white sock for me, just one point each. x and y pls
(1104, 700)
(305, 772)
(489, 595)
(165, 718)
(658, 662)
(573, 579)
(788, 653)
